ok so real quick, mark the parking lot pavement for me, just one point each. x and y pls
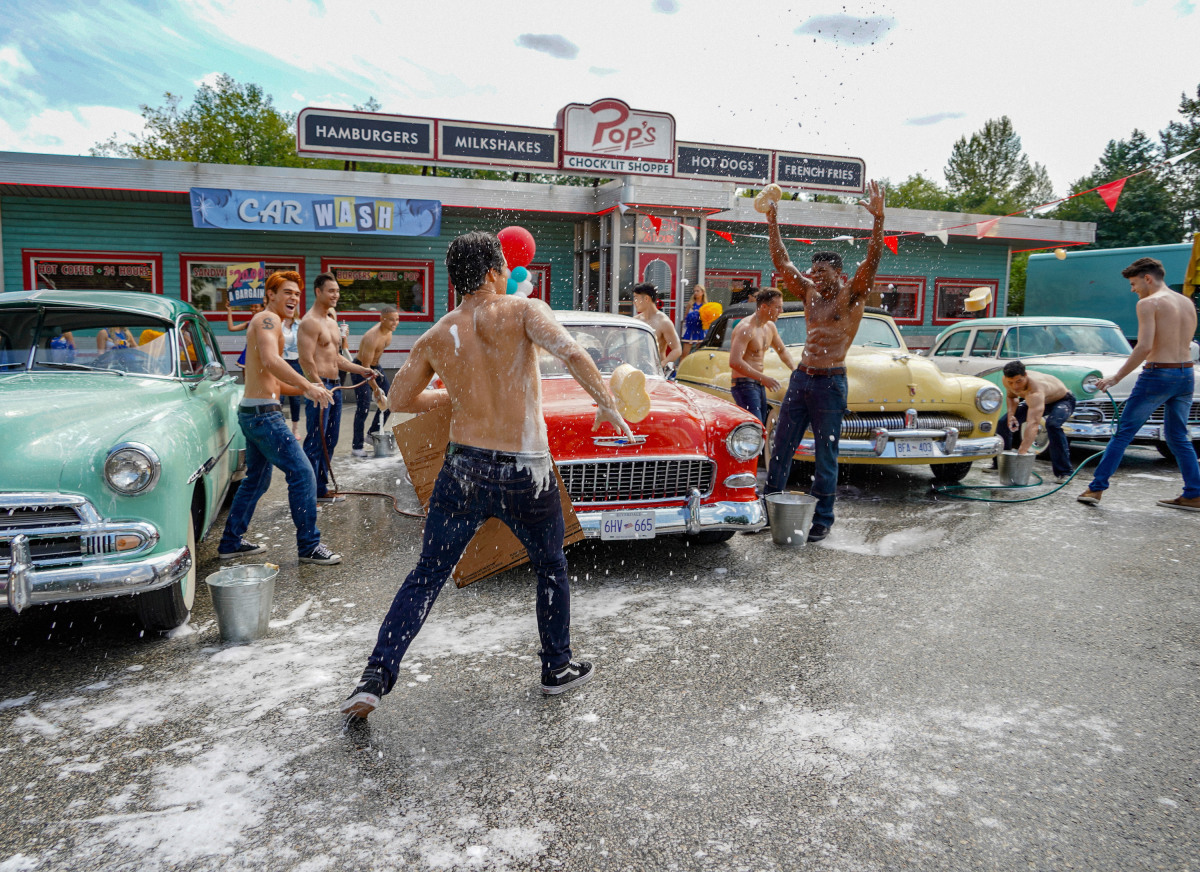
(938, 685)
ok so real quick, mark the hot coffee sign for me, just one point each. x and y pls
(609, 137)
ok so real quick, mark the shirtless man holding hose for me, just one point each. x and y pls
(498, 461)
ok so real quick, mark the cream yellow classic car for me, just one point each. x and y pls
(903, 409)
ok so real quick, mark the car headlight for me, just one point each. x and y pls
(131, 468)
(988, 399)
(745, 441)
(1091, 384)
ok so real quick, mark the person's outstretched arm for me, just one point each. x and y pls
(795, 282)
(864, 276)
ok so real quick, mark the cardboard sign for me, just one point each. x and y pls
(422, 442)
(244, 283)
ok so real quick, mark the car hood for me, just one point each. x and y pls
(675, 425)
(51, 419)
(896, 379)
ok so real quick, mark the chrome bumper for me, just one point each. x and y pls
(1104, 432)
(946, 445)
(690, 518)
(25, 585)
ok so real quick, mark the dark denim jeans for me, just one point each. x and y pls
(362, 405)
(1154, 388)
(472, 487)
(295, 401)
(269, 443)
(816, 401)
(751, 396)
(1056, 415)
(312, 441)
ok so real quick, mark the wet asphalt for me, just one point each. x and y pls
(941, 684)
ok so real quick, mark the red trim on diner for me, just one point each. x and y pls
(28, 255)
(990, 312)
(329, 264)
(921, 282)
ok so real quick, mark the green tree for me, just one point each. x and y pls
(1183, 180)
(990, 174)
(1146, 213)
(918, 192)
(1016, 283)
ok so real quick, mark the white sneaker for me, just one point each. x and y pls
(359, 452)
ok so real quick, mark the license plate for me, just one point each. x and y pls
(627, 525)
(915, 448)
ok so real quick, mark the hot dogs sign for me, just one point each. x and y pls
(604, 138)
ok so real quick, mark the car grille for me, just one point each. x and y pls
(625, 481)
(856, 425)
(54, 532)
(1086, 411)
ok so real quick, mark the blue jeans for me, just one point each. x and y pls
(1056, 415)
(473, 486)
(816, 401)
(362, 406)
(1154, 388)
(295, 401)
(269, 443)
(751, 396)
(332, 425)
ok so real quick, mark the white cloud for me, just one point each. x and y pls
(209, 79)
(12, 64)
(56, 131)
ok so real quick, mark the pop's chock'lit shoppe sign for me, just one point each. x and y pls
(604, 138)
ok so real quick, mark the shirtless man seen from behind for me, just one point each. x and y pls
(751, 339)
(1166, 325)
(497, 462)
(816, 394)
(645, 305)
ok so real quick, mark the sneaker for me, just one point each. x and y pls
(244, 549)
(364, 699)
(331, 498)
(321, 554)
(817, 532)
(359, 452)
(1062, 479)
(1188, 504)
(1090, 497)
(573, 674)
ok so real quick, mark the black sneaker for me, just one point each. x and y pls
(817, 532)
(331, 498)
(365, 698)
(244, 549)
(561, 680)
(321, 554)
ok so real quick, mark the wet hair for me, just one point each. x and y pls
(470, 257)
(828, 257)
(276, 279)
(1145, 266)
(387, 309)
(648, 289)
(766, 296)
(321, 279)
(1014, 368)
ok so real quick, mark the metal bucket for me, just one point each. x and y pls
(790, 515)
(384, 443)
(1014, 469)
(242, 597)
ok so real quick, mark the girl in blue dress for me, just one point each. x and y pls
(693, 330)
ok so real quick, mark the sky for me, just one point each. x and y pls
(894, 83)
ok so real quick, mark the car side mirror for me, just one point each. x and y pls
(214, 370)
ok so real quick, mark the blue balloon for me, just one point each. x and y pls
(519, 275)
(511, 288)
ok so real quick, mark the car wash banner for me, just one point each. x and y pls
(224, 209)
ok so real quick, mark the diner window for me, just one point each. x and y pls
(724, 285)
(205, 284)
(985, 343)
(950, 297)
(93, 270)
(369, 285)
(899, 296)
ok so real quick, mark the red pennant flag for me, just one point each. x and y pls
(656, 223)
(986, 228)
(728, 237)
(1111, 192)
(892, 243)
(802, 239)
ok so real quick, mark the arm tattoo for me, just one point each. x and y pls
(268, 323)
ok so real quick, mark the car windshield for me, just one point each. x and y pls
(84, 340)
(1029, 341)
(610, 345)
(872, 332)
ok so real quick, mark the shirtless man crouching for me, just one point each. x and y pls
(498, 461)
(645, 305)
(1166, 324)
(751, 338)
(1045, 398)
(269, 441)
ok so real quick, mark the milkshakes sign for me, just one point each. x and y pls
(225, 209)
(610, 138)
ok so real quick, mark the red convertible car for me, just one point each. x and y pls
(690, 468)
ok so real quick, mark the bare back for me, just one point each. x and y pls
(1173, 320)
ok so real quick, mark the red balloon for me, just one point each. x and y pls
(518, 246)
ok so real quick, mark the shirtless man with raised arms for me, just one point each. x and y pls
(498, 462)
(1037, 397)
(269, 441)
(1166, 324)
(645, 305)
(751, 339)
(816, 394)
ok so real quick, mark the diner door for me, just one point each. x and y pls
(661, 269)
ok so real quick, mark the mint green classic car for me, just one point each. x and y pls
(120, 435)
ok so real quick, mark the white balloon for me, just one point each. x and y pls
(525, 288)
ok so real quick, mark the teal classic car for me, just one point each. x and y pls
(120, 435)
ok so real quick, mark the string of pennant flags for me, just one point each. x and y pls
(1110, 193)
